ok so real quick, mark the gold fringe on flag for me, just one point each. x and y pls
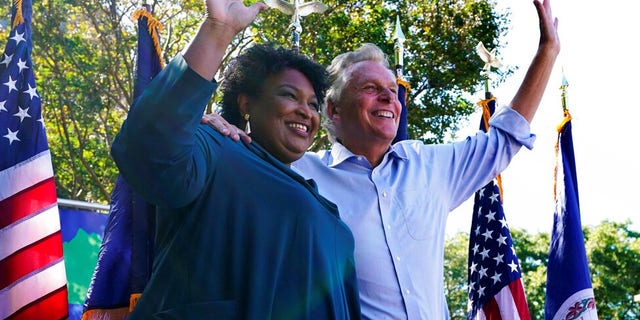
(153, 26)
(486, 115)
(565, 120)
(18, 18)
(115, 313)
(133, 300)
(106, 314)
(404, 83)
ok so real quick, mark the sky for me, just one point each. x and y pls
(600, 63)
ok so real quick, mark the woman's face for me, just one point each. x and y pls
(284, 118)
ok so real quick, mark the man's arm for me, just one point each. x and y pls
(528, 97)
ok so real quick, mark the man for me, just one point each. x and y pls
(396, 198)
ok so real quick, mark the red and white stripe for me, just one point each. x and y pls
(510, 303)
(33, 281)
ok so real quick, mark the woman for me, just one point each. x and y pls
(239, 235)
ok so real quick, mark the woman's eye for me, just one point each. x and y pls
(315, 106)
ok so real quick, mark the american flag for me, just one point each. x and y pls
(33, 283)
(494, 276)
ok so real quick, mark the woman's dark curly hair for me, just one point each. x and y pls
(247, 73)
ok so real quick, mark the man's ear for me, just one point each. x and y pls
(332, 110)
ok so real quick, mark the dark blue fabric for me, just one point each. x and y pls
(28, 129)
(239, 235)
(567, 268)
(402, 126)
(126, 257)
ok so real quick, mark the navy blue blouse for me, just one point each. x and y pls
(239, 235)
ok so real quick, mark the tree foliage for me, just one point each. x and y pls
(456, 251)
(84, 61)
(613, 252)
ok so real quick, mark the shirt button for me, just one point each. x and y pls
(407, 291)
(384, 194)
(388, 227)
(360, 158)
(398, 258)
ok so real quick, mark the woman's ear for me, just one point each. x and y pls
(243, 104)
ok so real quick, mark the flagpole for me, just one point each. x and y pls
(490, 61)
(296, 30)
(563, 92)
(403, 86)
(399, 39)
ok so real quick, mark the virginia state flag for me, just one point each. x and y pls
(126, 253)
(494, 276)
(569, 292)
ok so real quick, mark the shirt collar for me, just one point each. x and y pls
(340, 154)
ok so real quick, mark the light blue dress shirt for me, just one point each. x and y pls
(398, 210)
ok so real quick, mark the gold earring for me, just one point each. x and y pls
(247, 127)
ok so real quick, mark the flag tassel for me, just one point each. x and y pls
(486, 115)
(106, 314)
(133, 300)
(153, 26)
(18, 18)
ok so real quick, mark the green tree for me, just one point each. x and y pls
(614, 252)
(533, 254)
(456, 251)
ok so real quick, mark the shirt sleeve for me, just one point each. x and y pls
(158, 150)
(482, 157)
(514, 124)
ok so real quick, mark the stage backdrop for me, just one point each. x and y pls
(82, 232)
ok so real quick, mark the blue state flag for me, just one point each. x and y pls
(403, 93)
(126, 253)
(569, 293)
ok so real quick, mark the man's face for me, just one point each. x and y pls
(369, 109)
